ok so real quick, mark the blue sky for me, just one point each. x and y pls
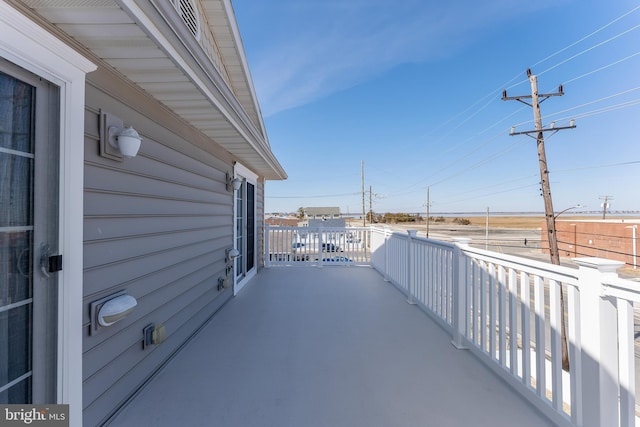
(413, 89)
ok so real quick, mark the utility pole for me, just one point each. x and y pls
(544, 181)
(605, 205)
(486, 232)
(364, 214)
(428, 205)
(370, 205)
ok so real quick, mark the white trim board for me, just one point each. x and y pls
(30, 46)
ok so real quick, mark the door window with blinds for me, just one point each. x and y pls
(28, 233)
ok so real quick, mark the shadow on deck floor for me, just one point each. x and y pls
(335, 346)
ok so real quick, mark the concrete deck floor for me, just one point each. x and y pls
(335, 346)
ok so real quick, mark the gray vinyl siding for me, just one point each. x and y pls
(156, 226)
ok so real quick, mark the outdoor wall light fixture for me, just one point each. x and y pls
(117, 142)
(233, 183)
(110, 309)
(116, 309)
(231, 254)
(126, 140)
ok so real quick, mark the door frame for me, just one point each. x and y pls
(28, 45)
(246, 175)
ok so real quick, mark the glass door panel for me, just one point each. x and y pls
(250, 227)
(28, 221)
(240, 235)
(16, 238)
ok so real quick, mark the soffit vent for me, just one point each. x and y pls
(189, 14)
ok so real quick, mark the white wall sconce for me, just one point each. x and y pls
(111, 309)
(126, 140)
(233, 183)
(116, 309)
(117, 142)
(231, 254)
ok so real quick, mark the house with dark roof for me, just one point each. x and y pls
(133, 159)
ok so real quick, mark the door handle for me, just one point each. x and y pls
(44, 260)
(49, 263)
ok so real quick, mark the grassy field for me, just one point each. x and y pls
(526, 222)
(508, 221)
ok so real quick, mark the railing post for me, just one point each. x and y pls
(410, 274)
(267, 249)
(599, 334)
(319, 248)
(459, 293)
(387, 261)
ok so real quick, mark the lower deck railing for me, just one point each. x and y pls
(306, 246)
(507, 310)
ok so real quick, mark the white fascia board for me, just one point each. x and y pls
(161, 40)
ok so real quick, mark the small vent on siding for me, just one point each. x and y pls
(189, 14)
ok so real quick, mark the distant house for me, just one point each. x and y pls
(323, 216)
(85, 221)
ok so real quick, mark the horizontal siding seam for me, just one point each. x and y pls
(149, 254)
(154, 234)
(156, 177)
(164, 162)
(150, 215)
(151, 196)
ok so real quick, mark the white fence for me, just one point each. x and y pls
(507, 310)
(318, 246)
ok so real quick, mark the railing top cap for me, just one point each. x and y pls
(601, 264)
(462, 240)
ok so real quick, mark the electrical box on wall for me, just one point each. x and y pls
(153, 335)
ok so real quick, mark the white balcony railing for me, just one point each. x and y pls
(305, 246)
(507, 311)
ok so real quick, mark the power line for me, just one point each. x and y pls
(491, 194)
(598, 167)
(581, 115)
(314, 196)
(506, 84)
(596, 248)
(595, 101)
(586, 37)
(590, 49)
(475, 190)
(603, 67)
(492, 93)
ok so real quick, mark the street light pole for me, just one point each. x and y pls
(575, 251)
(568, 209)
